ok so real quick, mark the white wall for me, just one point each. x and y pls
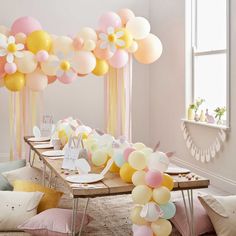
(83, 98)
(167, 96)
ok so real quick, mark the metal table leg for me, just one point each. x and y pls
(50, 179)
(44, 172)
(74, 216)
(189, 211)
(82, 221)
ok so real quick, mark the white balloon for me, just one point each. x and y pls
(151, 212)
(158, 161)
(87, 33)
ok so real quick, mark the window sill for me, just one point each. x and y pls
(216, 126)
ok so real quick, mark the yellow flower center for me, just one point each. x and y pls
(112, 38)
(65, 65)
(11, 48)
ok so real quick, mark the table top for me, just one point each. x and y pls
(112, 183)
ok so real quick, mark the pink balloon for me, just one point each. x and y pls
(10, 68)
(66, 79)
(125, 15)
(42, 56)
(102, 53)
(2, 65)
(36, 81)
(127, 151)
(119, 59)
(51, 79)
(153, 178)
(142, 230)
(25, 25)
(78, 43)
(109, 19)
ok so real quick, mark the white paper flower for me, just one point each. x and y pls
(112, 39)
(9, 48)
(64, 66)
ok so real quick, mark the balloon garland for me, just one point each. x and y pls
(137, 164)
(31, 56)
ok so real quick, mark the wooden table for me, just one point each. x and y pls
(112, 185)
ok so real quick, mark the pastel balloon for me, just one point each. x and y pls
(153, 178)
(119, 158)
(62, 44)
(149, 49)
(20, 38)
(99, 158)
(14, 82)
(127, 151)
(133, 47)
(137, 160)
(42, 56)
(1, 82)
(119, 59)
(109, 19)
(126, 37)
(38, 40)
(143, 230)
(139, 146)
(4, 30)
(87, 33)
(47, 66)
(168, 181)
(138, 178)
(114, 168)
(141, 194)
(67, 79)
(102, 53)
(161, 195)
(125, 15)
(147, 151)
(10, 68)
(169, 210)
(89, 45)
(161, 227)
(26, 64)
(101, 67)
(135, 216)
(84, 62)
(126, 173)
(36, 81)
(151, 212)
(139, 27)
(25, 25)
(2, 65)
(51, 79)
(158, 161)
(78, 43)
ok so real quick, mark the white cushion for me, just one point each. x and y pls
(17, 207)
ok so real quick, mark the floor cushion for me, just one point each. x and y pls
(222, 212)
(201, 220)
(7, 166)
(50, 199)
(17, 207)
(52, 222)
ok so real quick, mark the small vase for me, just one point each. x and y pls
(190, 114)
(202, 116)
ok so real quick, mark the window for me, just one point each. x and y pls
(207, 53)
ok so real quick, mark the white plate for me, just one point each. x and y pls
(56, 158)
(85, 178)
(54, 153)
(39, 139)
(177, 170)
(43, 146)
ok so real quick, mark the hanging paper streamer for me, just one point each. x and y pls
(118, 93)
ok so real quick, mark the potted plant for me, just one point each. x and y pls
(220, 111)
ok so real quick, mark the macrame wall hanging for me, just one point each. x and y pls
(205, 154)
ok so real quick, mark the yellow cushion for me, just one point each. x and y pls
(50, 198)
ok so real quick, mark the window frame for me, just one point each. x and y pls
(191, 52)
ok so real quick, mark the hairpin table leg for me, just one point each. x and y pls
(44, 172)
(74, 216)
(82, 221)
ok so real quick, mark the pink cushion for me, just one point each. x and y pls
(202, 222)
(52, 222)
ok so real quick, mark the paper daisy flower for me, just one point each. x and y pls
(64, 66)
(112, 39)
(10, 49)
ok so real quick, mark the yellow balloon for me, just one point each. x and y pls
(139, 146)
(126, 37)
(62, 44)
(47, 66)
(114, 168)
(135, 216)
(38, 40)
(137, 160)
(161, 227)
(161, 195)
(14, 82)
(168, 181)
(63, 136)
(141, 194)
(126, 173)
(101, 68)
(99, 158)
(26, 64)
(87, 33)
(138, 178)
